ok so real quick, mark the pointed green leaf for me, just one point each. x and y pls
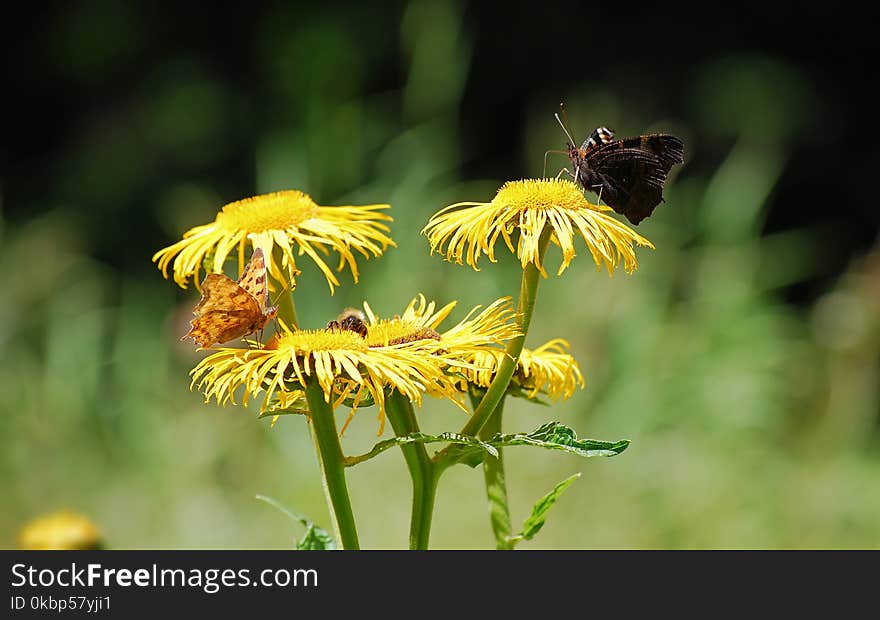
(271, 413)
(552, 436)
(471, 444)
(556, 436)
(315, 538)
(536, 520)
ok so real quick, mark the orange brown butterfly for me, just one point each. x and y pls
(228, 309)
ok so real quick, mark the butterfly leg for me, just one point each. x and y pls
(559, 174)
(573, 175)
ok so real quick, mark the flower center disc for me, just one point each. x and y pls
(540, 194)
(275, 211)
(310, 341)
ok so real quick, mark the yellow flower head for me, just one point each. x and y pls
(60, 530)
(548, 369)
(285, 219)
(466, 230)
(419, 320)
(405, 353)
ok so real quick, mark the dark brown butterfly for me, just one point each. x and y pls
(629, 174)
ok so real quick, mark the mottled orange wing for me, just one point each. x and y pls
(230, 310)
(253, 280)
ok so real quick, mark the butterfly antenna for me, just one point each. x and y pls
(275, 305)
(561, 124)
(278, 298)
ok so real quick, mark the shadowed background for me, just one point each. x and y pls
(741, 358)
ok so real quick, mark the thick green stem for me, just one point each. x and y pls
(526, 305)
(322, 423)
(496, 485)
(424, 479)
(332, 462)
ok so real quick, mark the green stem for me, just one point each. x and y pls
(286, 309)
(332, 462)
(496, 485)
(322, 423)
(527, 294)
(424, 480)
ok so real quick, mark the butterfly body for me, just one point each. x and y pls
(628, 174)
(229, 309)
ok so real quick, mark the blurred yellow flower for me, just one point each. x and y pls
(288, 220)
(60, 530)
(549, 369)
(405, 353)
(466, 230)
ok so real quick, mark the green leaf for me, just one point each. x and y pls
(556, 436)
(472, 445)
(536, 520)
(315, 538)
(271, 413)
(551, 436)
(460, 453)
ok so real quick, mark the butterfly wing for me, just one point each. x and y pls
(226, 311)
(229, 310)
(254, 280)
(668, 148)
(631, 172)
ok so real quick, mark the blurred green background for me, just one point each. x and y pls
(742, 359)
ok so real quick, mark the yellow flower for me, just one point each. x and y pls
(548, 369)
(285, 219)
(420, 320)
(466, 230)
(405, 353)
(60, 530)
